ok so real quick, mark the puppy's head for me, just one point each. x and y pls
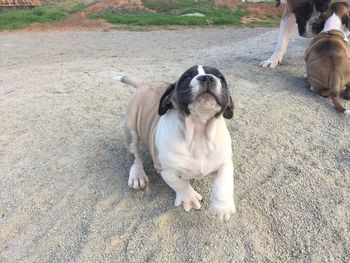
(338, 10)
(201, 91)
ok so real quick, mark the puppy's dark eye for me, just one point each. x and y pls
(187, 77)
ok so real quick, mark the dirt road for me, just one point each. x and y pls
(63, 167)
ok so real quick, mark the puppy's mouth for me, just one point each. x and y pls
(207, 96)
(206, 103)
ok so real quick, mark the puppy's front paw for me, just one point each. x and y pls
(222, 210)
(188, 199)
(137, 177)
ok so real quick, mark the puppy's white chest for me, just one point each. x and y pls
(194, 159)
(199, 164)
(193, 164)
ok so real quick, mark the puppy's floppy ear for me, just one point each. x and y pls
(165, 101)
(228, 113)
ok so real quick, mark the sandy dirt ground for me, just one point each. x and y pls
(63, 173)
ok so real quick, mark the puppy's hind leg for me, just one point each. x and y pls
(320, 90)
(335, 86)
(137, 176)
(347, 92)
(336, 101)
(347, 97)
(324, 92)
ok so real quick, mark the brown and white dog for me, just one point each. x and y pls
(183, 124)
(304, 13)
(328, 56)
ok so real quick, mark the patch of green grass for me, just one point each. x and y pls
(15, 18)
(20, 18)
(77, 8)
(173, 6)
(212, 17)
(169, 13)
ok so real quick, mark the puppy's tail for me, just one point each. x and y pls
(128, 80)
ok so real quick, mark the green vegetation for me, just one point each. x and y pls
(14, 18)
(212, 16)
(165, 13)
(77, 8)
(169, 13)
(19, 18)
(174, 6)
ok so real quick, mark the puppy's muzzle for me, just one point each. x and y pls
(207, 84)
(206, 81)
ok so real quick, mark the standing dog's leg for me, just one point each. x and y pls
(286, 28)
(222, 204)
(185, 194)
(137, 176)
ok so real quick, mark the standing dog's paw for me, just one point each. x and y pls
(272, 62)
(222, 210)
(188, 199)
(137, 177)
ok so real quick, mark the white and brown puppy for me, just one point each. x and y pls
(328, 56)
(184, 126)
(304, 13)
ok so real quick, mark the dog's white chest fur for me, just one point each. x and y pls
(192, 156)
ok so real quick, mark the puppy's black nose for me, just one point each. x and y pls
(206, 79)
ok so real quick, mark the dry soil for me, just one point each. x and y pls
(64, 170)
